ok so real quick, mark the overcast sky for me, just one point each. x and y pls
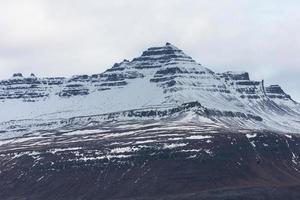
(67, 37)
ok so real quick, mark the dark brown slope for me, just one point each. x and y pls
(227, 166)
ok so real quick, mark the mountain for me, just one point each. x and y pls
(162, 78)
(160, 126)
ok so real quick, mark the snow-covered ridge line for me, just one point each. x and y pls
(181, 113)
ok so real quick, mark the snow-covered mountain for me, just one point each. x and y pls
(160, 126)
(163, 82)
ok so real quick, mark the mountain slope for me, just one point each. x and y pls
(151, 160)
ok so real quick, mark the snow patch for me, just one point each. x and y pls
(174, 145)
(249, 136)
(199, 137)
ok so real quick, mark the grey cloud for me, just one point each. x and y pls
(66, 37)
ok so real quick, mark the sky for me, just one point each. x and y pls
(68, 37)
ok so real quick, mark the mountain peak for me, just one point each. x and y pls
(171, 46)
(32, 75)
(18, 75)
(162, 54)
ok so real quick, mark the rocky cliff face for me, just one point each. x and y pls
(28, 88)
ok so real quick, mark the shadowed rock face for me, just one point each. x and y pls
(276, 92)
(152, 162)
(242, 84)
(235, 76)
